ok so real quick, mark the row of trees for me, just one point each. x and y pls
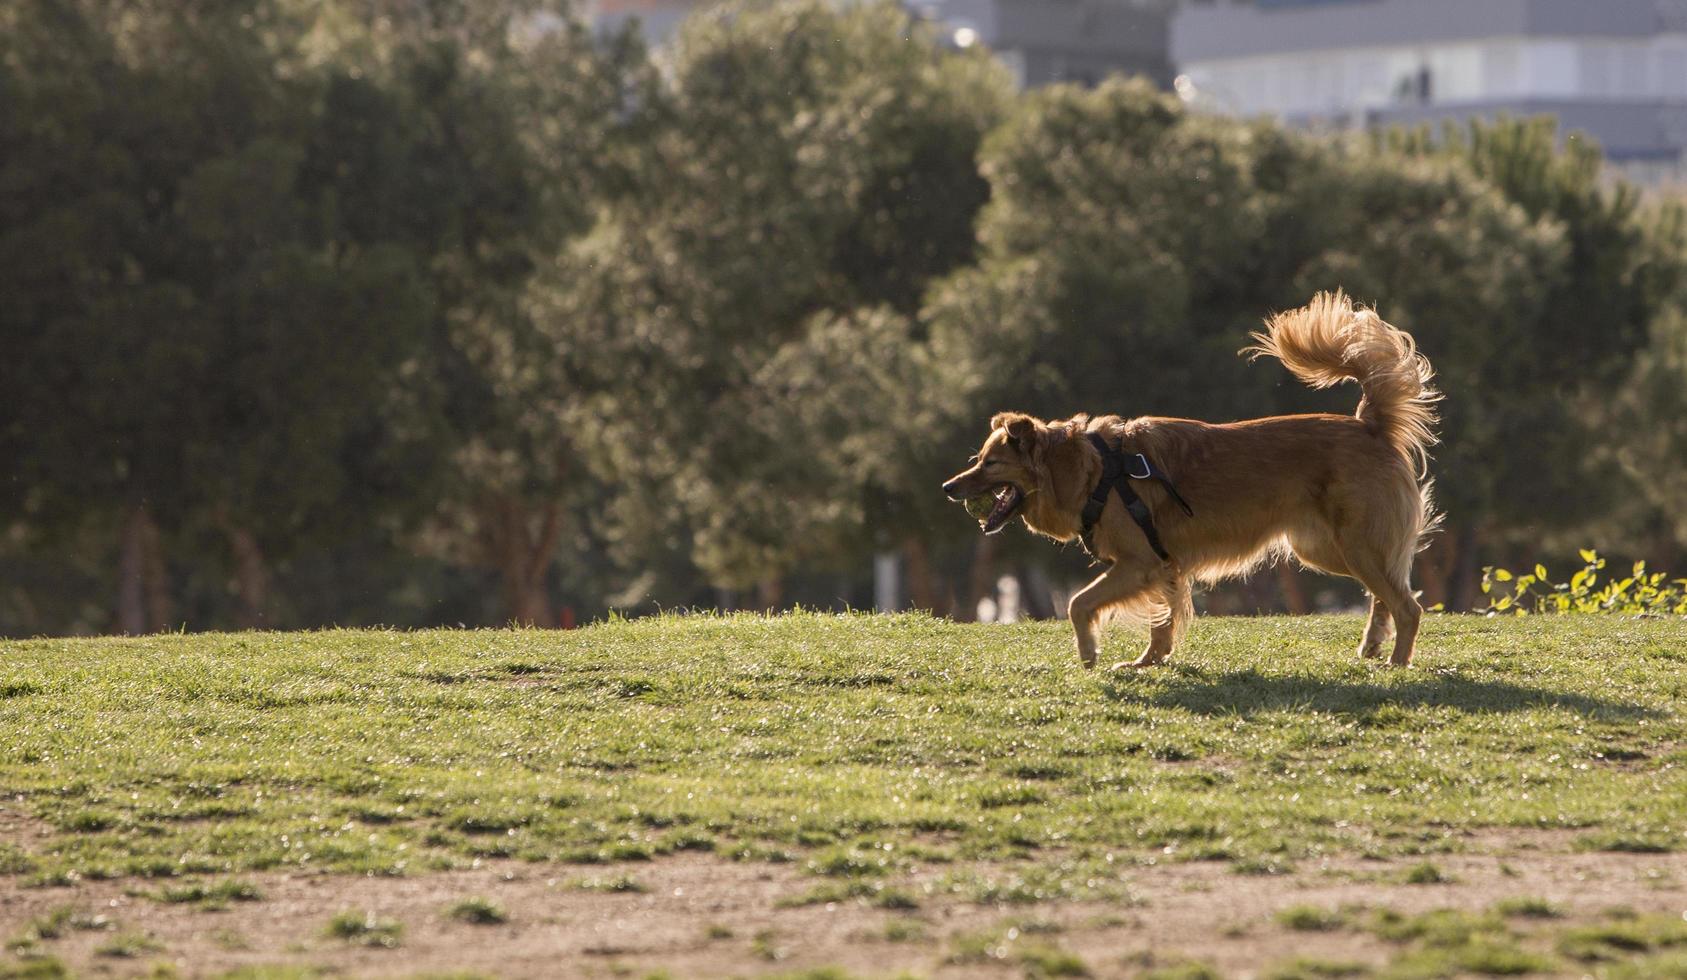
(369, 311)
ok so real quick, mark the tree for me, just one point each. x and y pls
(520, 117)
(739, 325)
(1542, 369)
(117, 113)
(1647, 422)
(268, 262)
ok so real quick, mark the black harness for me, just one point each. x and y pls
(1117, 470)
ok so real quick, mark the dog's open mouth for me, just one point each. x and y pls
(996, 508)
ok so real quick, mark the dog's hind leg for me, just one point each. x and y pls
(1388, 579)
(1377, 541)
(1319, 551)
(1118, 586)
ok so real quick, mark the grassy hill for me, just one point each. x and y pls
(854, 744)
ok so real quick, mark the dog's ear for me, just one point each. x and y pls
(1021, 428)
(1059, 433)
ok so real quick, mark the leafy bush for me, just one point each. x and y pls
(1640, 592)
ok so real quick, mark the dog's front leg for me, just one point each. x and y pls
(1111, 587)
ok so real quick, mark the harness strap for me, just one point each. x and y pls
(1115, 478)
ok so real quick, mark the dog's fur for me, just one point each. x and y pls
(1346, 495)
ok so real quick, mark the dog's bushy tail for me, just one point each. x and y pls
(1329, 341)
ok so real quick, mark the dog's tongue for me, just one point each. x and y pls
(1007, 498)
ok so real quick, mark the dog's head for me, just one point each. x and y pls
(1008, 468)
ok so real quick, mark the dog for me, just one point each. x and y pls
(1346, 495)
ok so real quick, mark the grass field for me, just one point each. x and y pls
(861, 753)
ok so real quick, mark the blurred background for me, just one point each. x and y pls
(416, 312)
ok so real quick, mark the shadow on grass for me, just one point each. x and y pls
(1248, 692)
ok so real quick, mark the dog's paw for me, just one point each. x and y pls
(1375, 651)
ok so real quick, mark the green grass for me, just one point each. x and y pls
(33, 968)
(1306, 968)
(1623, 937)
(1425, 873)
(613, 883)
(365, 928)
(1028, 943)
(211, 896)
(1311, 918)
(126, 945)
(1182, 971)
(1529, 907)
(478, 911)
(1265, 744)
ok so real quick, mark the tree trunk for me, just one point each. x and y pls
(522, 554)
(981, 580)
(131, 560)
(526, 602)
(251, 577)
(1293, 590)
(1036, 593)
(925, 589)
(1434, 567)
(143, 588)
(1466, 586)
(1450, 569)
(770, 593)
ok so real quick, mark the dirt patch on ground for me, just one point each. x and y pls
(702, 916)
(21, 830)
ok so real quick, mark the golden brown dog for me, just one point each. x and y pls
(1345, 494)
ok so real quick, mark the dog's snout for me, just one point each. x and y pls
(950, 488)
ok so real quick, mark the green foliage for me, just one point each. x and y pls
(1638, 593)
(1607, 262)
(740, 325)
(331, 312)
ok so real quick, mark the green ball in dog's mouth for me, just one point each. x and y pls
(994, 510)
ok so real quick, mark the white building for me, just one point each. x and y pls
(1615, 69)
(1040, 41)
